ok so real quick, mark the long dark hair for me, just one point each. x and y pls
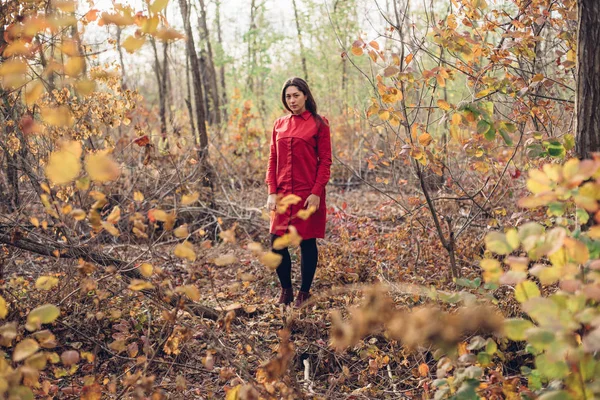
(311, 104)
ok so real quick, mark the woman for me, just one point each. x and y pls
(299, 163)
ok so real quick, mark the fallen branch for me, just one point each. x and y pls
(15, 239)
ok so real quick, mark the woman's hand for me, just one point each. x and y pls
(272, 202)
(312, 201)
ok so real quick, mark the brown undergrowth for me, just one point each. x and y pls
(133, 345)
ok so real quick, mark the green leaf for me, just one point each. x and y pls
(582, 216)
(526, 290)
(551, 370)
(568, 141)
(514, 328)
(491, 134)
(556, 209)
(484, 359)
(540, 338)
(483, 127)
(491, 347)
(506, 137)
(42, 315)
(555, 148)
(487, 107)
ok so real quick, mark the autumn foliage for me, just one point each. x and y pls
(463, 247)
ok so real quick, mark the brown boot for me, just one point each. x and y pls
(302, 298)
(287, 296)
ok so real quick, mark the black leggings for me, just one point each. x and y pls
(308, 264)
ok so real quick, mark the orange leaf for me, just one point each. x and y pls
(423, 370)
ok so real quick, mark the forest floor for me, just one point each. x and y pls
(369, 244)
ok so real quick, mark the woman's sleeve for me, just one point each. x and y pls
(324, 161)
(271, 178)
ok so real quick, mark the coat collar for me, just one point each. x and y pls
(305, 115)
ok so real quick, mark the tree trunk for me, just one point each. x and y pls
(302, 53)
(198, 97)
(222, 67)
(161, 79)
(588, 79)
(210, 65)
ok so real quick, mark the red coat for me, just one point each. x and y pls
(300, 164)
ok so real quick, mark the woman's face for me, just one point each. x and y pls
(295, 99)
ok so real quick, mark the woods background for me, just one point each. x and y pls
(461, 259)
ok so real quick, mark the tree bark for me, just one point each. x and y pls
(588, 79)
(198, 97)
(210, 65)
(302, 52)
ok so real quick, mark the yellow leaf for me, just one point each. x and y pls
(384, 115)
(114, 215)
(233, 393)
(189, 199)
(34, 221)
(44, 314)
(226, 259)
(149, 25)
(443, 104)
(425, 139)
(74, 66)
(146, 270)
(157, 215)
(181, 231)
(24, 349)
(138, 197)
(304, 214)
(3, 308)
(185, 250)
(14, 66)
(64, 165)
(140, 284)
(256, 248)
(168, 35)
(190, 291)
(158, 6)
(110, 228)
(85, 87)
(492, 270)
(46, 282)
(34, 92)
(78, 214)
(271, 260)
(101, 167)
(132, 43)
(60, 116)
(451, 21)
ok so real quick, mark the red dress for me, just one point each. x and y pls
(300, 164)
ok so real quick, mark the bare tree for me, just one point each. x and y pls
(211, 78)
(302, 52)
(198, 95)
